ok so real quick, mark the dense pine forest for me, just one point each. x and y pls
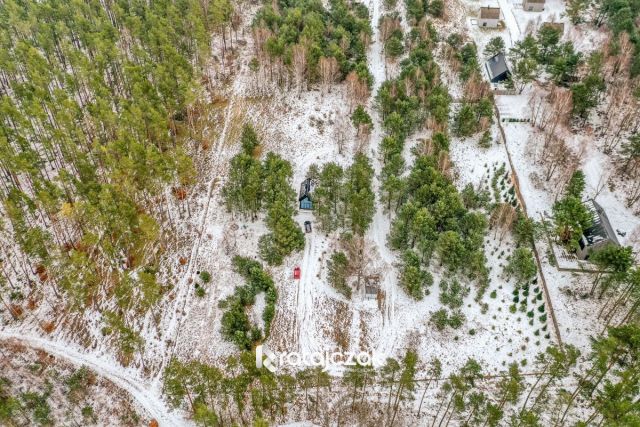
(97, 122)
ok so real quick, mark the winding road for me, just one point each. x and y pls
(146, 394)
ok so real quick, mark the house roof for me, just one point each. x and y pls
(601, 228)
(490, 12)
(370, 290)
(305, 189)
(497, 65)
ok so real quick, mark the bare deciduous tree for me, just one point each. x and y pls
(388, 24)
(359, 252)
(363, 134)
(476, 88)
(621, 115)
(618, 64)
(299, 53)
(633, 193)
(602, 183)
(502, 219)
(558, 156)
(444, 163)
(328, 72)
(551, 111)
(340, 131)
(357, 90)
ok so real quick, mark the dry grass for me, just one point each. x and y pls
(283, 333)
(47, 327)
(365, 340)
(246, 110)
(341, 317)
(237, 120)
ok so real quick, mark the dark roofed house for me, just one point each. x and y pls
(372, 286)
(489, 17)
(599, 235)
(370, 292)
(497, 68)
(304, 197)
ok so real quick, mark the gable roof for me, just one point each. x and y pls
(601, 228)
(370, 290)
(305, 189)
(497, 65)
(490, 12)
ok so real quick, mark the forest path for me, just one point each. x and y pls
(183, 295)
(305, 308)
(515, 34)
(147, 396)
(381, 223)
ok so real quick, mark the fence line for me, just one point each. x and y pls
(516, 185)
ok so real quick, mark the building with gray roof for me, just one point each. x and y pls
(497, 68)
(599, 234)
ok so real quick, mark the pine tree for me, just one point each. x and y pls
(305, 380)
(359, 196)
(285, 237)
(575, 186)
(354, 378)
(249, 139)
(389, 375)
(494, 47)
(413, 278)
(338, 273)
(571, 217)
(328, 197)
(243, 190)
(320, 379)
(615, 261)
(406, 381)
(552, 365)
(521, 266)
(276, 177)
(434, 372)
(131, 76)
(618, 347)
(511, 387)
(9, 404)
(361, 120)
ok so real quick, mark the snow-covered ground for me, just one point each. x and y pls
(147, 395)
(575, 314)
(311, 316)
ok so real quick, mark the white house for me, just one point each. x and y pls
(489, 17)
(533, 5)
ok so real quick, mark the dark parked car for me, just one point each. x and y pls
(307, 226)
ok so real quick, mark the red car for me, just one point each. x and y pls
(296, 273)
